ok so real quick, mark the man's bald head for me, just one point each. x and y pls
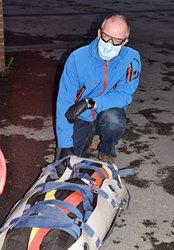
(119, 22)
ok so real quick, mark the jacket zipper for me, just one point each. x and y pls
(105, 79)
(104, 86)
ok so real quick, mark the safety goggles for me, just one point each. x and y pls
(115, 41)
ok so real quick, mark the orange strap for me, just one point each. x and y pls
(98, 181)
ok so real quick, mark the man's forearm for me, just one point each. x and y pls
(76, 109)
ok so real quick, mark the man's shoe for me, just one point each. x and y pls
(94, 144)
(106, 158)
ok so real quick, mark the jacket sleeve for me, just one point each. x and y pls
(66, 97)
(122, 94)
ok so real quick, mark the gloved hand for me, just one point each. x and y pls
(66, 152)
(75, 110)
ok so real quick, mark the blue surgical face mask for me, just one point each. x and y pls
(107, 51)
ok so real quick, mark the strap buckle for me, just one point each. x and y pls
(94, 187)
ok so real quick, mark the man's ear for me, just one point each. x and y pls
(99, 34)
(126, 41)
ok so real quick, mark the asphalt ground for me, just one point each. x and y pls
(40, 35)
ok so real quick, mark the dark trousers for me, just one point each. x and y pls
(109, 125)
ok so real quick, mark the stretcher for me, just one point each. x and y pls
(77, 210)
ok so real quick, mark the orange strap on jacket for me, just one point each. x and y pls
(129, 73)
(79, 94)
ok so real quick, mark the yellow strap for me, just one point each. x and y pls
(48, 196)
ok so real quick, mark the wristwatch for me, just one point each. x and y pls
(90, 103)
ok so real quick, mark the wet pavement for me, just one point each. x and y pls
(39, 35)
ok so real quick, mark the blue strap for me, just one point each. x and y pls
(87, 196)
(89, 165)
(87, 229)
(126, 172)
(53, 168)
(86, 215)
(114, 222)
(50, 218)
(97, 190)
(75, 187)
(43, 207)
(129, 197)
(44, 221)
(116, 173)
(83, 176)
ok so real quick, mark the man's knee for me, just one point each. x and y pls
(113, 118)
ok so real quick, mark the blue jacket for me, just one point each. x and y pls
(85, 75)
